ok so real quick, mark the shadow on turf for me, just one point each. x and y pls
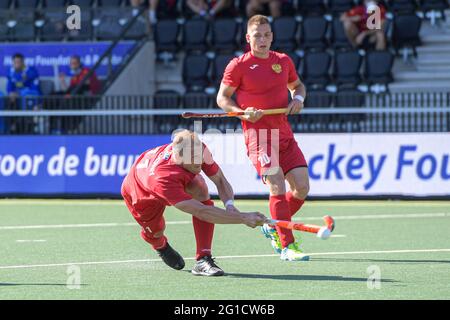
(36, 284)
(300, 277)
(379, 260)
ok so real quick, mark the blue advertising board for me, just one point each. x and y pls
(48, 56)
(69, 164)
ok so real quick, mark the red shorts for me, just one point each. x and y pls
(267, 158)
(146, 210)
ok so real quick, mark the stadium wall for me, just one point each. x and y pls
(340, 165)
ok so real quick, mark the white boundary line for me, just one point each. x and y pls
(128, 224)
(221, 257)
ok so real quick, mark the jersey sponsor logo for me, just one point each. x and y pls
(277, 68)
(253, 66)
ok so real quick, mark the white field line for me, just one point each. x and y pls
(336, 203)
(221, 257)
(125, 224)
(24, 241)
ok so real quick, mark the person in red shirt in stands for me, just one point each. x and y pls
(169, 175)
(357, 28)
(77, 71)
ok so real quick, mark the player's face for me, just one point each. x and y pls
(260, 38)
(193, 160)
(18, 64)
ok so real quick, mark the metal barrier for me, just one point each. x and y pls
(324, 112)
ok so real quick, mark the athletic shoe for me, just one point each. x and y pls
(293, 253)
(170, 257)
(271, 233)
(207, 267)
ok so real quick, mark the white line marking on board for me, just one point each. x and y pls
(223, 257)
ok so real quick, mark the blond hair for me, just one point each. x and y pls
(257, 20)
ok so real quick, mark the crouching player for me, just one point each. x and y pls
(169, 175)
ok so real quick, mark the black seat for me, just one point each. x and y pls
(54, 3)
(311, 7)
(108, 27)
(378, 67)
(139, 28)
(348, 98)
(347, 68)
(224, 32)
(406, 30)
(166, 99)
(54, 28)
(109, 3)
(313, 35)
(340, 6)
(315, 122)
(166, 35)
(85, 32)
(284, 30)
(316, 68)
(433, 5)
(195, 32)
(196, 100)
(4, 4)
(318, 99)
(47, 87)
(24, 30)
(195, 71)
(339, 39)
(84, 4)
(26, 4)
(402, 6)
(220, 62)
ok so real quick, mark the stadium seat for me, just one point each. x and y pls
(378, 67)
(4, 30)
(54, 3)
(195, 32)
(313, 33)
(340, 6)
(284, 31)
(196, 100)
(433, 5)
(405, 33)
(26, 4)
(4, 4)
(219, 64)
(24, 28)
(109, 3)
(139, 28)
(54, 28)
(47, 87)
(339, 39)
(316, 68)
(311, 7)
(166, 99)
(315, 122)
(195, 71)
(224, 32)
(347, 68)
(348, 98)
(84, 4)
(402, 6)
(108, 27)
(165, 35)
(85, 33)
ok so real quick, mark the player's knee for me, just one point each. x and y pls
(276, 183)
(301, 190)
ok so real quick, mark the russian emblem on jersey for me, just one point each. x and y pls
(277, 68)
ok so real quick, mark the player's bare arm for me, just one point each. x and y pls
(227, 104)
(225, 190)
(219, 216)
(298, 94)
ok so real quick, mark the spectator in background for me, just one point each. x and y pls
(162, 9)
(357, 30)
(90, 88)
(23, 94)
(258, 6)
(77, 71)
(23, 82)
(210, 8)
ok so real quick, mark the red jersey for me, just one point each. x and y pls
(262, 84)
(92, 83)
(362, 12)
(159, 178)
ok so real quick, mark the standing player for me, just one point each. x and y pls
(169, 175)
(260, 78)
